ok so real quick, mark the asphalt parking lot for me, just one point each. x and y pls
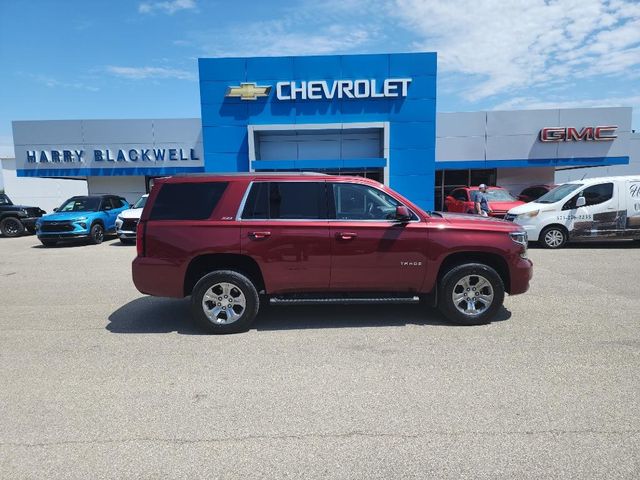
(99, 381)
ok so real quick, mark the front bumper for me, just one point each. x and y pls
(521, 273)
(126, 234)
(62, 236)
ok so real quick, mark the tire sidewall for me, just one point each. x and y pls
(544, 232)
(448, 282)
(241, 282)
(8, 220)
(92, 234)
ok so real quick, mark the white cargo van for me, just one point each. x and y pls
(594, 208)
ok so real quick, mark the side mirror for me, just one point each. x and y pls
(402, 213)
(55, 209)
(581, 202)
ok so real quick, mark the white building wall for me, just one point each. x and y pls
(129, 187)
(517, 179)
(46, 193)
(614, 170)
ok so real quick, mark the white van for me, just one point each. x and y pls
(594, 208)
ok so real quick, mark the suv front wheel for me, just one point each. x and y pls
(224, 301)
(471, 294)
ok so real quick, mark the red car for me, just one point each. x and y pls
(233, 242)
(461, 200)
(534, 192)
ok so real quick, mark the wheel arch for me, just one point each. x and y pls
(493, 260)
(200, 265)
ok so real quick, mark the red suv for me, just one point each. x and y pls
(500, 200)
(235, 241)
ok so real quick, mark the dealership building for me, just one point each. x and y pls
(370, 115)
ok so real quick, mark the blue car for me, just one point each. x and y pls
(89, 217)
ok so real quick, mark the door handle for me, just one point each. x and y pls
(259, 235)
(346, 235)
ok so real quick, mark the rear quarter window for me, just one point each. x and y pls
(187, 201)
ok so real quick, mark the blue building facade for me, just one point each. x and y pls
(338, 114)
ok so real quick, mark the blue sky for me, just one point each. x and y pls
(68, 59)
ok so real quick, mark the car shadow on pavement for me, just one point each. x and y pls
(76, 242)
(595, 244)
(154, 315)
(165, 315)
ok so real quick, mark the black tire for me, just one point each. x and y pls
(127, 241)
(451, 281)
(11, 227)
(553, 236)
(48, 243)
(96, 235)
(243, 288)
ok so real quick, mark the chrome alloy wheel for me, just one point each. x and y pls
(554, 238)
(224, 303)
(472, 295)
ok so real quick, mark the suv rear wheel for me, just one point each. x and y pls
(224, 301)
(11, 227)
(471, 294)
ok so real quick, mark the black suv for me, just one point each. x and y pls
(15, 219)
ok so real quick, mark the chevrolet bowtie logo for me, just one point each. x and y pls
(248, 91)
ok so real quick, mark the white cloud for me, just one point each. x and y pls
(511, 46)
(291, 36)
(169, 7)
(52, 82)
(532, 103)
(139, 73)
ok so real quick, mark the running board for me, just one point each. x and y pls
(341, 300)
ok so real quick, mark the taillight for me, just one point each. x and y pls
(141, 229)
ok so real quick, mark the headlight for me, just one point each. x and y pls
(531, 214)
(119, 217)
(80, 219)
(521, 239)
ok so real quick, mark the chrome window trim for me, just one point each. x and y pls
(246, 196)
(244, 201)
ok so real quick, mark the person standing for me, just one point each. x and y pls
(480, 202)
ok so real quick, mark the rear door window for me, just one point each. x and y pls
(187, 201)
(286, 201)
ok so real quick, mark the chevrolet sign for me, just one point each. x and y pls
(248, 91)
(323, 90)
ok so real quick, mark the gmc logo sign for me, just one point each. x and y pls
(570, 134)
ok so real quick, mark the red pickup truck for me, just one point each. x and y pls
(235, 241)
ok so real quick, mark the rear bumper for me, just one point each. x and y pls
(157, 277)
(521, 274)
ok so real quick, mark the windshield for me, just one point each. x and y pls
(497, 195)
(82, 204)
(558, 193)
(142, 201)
(4, 200)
